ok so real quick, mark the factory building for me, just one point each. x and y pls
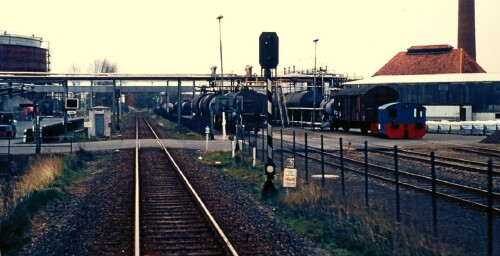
(447, 81)
(430, 59)
(453, 97)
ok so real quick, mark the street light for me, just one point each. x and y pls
(220, 42)
(314, 85)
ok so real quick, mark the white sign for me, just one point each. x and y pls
(290, 162)
(289, 178)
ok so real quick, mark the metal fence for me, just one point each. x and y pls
(293, 149)
(10, 147)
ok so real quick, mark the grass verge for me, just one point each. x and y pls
(45, 181)
(319, 214)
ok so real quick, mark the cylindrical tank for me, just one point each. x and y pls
(328, 108)
(254, 103)
(204, 105)
(21, 53)
(195, 103)
(186, 107)
(303, 99)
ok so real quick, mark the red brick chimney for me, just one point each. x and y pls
(467, 27)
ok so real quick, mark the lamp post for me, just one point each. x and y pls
(220, 43)
(314, 85)
(222, 80)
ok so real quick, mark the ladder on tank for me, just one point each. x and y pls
(282, 106)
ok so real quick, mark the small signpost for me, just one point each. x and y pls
(289, 177)
(290, 173)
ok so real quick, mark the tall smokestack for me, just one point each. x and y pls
(467, 27)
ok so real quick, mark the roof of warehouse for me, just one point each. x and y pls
(430, 59)
(437, 78)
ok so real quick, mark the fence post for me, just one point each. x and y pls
(9, 159)
(281, 144)
(434, 199)
(307, 157)
(322, 163)
(255, 140)
(490, 207)
(366, 177)
(396, 171)
(342, 167)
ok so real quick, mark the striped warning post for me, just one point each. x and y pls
(269, 121)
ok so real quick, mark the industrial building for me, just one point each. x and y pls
(430, 59)
(447, 81)
(454, 97)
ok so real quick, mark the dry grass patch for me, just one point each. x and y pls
(38, 177)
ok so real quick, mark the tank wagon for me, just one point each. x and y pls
(200, 105)
(375, 109)
(252, 110)
(300, 106)
(185, 108)
(246, 107)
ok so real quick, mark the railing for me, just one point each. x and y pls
(16, 146)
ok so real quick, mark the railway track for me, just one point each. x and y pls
(171, 218)
(480, 151)
(411, 175)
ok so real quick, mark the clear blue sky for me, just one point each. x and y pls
(155, 36)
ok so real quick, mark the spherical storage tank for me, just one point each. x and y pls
(22, 53)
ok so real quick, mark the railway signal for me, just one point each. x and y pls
(268, 59)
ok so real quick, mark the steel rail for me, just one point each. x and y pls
(409, 155)
(207, 213)
(441, 163)
(482, 151)
(137, 247)
(420, 177)
(452, 198)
